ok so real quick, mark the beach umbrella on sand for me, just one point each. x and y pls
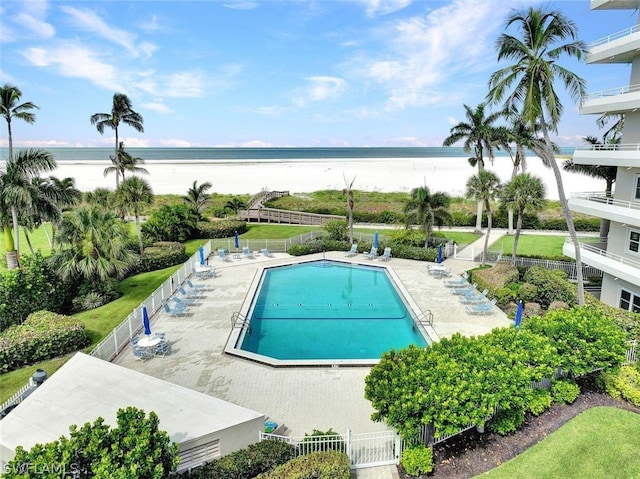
(145, 321)
(201, 252)
(376, 239)
(236, 241)
(439, 259)
(518, 319)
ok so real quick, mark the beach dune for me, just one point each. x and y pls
(304, 175)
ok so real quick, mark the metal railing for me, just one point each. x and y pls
(18, 396)
(614, 36)
(610, 147)
(607, 254)
(610, 92)
(568, 267)
(601, 197)
(273, 215)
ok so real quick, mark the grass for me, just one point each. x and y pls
(530, 245)
(600, 443)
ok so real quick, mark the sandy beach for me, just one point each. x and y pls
(304, 176)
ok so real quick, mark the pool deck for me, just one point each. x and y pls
(300, 398)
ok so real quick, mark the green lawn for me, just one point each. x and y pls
(600, 443)
(528, 245)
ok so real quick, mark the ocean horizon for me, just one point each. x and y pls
(244, 154)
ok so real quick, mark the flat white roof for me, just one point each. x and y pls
(86, 388)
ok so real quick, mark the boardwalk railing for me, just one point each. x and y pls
(273, 215)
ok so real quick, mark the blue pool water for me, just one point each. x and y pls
(328, 310)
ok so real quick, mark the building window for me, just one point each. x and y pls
(629, 301)
(634, 241)
(637, 187)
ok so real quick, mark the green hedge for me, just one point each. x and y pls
(397, 250)
(622, 384)
(316, 465)
(552, 285)
(161, 255)
(221, 229)
(43, 335)
(246, 463)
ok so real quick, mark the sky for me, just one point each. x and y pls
(254, 73)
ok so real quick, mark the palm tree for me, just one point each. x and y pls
(426, 209)
(126, 162)
(101, 197)
(11, 108)
(485, 187)
(614, 133)
(524, 194)
(198, 198)
(44, 207)
(65, 195)
(135, 193)
(481, 135)
(121, 111)
(348, 191)
(607, 173)
(93, 246)
(527, 86)
(18, 192)
(234, 205)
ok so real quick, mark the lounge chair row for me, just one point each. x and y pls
(246, 252)
(373, 254)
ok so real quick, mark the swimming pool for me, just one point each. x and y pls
(320, 312)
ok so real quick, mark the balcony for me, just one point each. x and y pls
(625, 155)
(614, 100)
(620, 47)
(601, 206)
(615, 4)
(611, 263)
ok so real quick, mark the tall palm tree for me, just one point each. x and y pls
(524, 194)
(528, 86)
(126, 162)
(481, 135)
(65, 194)
(93, 246)
(485, 187)
(197, 197)
(101, 197)
(10, 108)
(121, 112)
(18, 192)
(348, 191)
(234, 205)
(613, 134)
(133, 195)
(44, 207)
(607, 173)
(426, 209)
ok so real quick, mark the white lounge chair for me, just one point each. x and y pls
(474, 298)
(452, 283)
(372, 254)
(195, 287)
(177, 310)
(482, 308)
(190, 294)
(462, 291)
(223, 255)
(353, 251)
(247, 253)
(266, 252)
(386, 255)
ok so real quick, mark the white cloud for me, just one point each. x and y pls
(150, 25)
(452, 120)
(241, 5)
(174, 143)
(133, 142)
(320, 88)
(28, 19)
(157, 106)
(184, 85)
(35, 25)
(383, 7)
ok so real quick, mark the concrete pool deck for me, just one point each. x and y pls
(300, 398)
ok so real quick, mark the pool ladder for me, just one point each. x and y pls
(238, 320)
(424, 319)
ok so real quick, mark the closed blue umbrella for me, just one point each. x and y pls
(236, 241)
(145, 321)
(201, 251)
(518, 315)
(376, 239)
(439, 254)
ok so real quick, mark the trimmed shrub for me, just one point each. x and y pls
(43, 335)
(161, 255)
(417, 460)
(338, 230)
(552, 286)
(527, 292)
(171, 223)
(314, 442)
(539, 401)
(564, 391)
(221, 229)
(558, 305)
(507, 421)
(325, 465)
(622, 384)
(246, 463)
(494, 278)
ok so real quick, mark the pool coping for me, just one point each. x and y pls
(237, 332)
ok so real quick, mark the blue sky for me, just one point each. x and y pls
(270, 73)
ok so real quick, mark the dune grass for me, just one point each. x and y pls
(600, 443)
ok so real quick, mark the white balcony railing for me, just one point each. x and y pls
(614, 36)
(606, 254)
(610, 92)
(601, 197)
(610, 147)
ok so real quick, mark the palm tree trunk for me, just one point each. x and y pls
(26, 236)
(117, 157)
(16, 229)
(605, 224)
(514, 251)
(49, 237)
(9, 246)
(486, 237)
(139, 231)
(10, 137)
(551, 159)
(479, 218)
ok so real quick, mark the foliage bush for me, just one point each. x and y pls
(622, 384)
(564, 391)
(43, 335)
(552, 286)
(245, 463)
(586, 340)
(507, 421)
(628, 321)
(171, 223)
(417, 460)
(134, 449)
(494, 278)
(527, 292)
(221, 229)
(338, 230)
(539, 401)
(30, 288)
(312, 442)
(581, 224)
(325, 465)
(160, 255)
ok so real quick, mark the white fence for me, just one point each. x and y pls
(364, 449)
